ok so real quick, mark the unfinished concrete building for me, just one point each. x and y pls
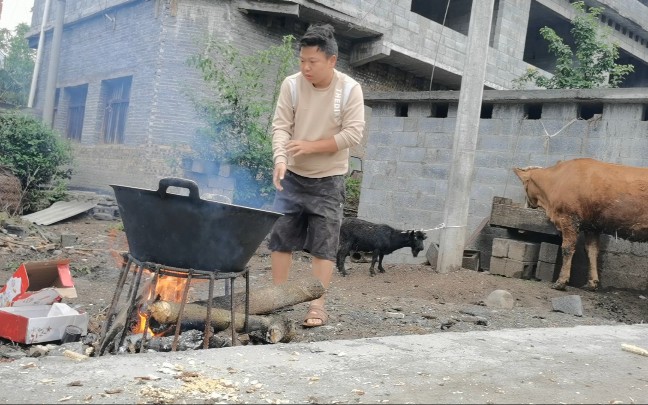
(122, 71)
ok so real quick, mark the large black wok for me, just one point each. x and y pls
(189, 232)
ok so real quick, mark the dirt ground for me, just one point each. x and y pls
(406, 299)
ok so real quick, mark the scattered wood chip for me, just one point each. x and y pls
(634, 349)
(74, 355)
(149, 378)
(65, 398)
(76, 383)
(113, 390)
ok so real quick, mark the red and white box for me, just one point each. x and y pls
(40, 323)
(38, 283)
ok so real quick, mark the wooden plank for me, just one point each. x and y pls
(509, 215)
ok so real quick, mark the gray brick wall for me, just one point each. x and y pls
(408, 159)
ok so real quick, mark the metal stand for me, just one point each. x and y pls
(189, 274)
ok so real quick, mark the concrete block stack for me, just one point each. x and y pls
(514, 258)
(547, 260)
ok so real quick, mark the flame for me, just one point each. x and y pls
(168, 288)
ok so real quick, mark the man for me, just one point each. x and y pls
(319, 116)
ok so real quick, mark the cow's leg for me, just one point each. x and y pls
(374, 258)
(380, 267)
(342, 254)
(592, 247)
(569, 232)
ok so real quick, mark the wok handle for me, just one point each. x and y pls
(178, 182)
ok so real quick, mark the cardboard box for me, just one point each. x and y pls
(40, 323)
(38, 283)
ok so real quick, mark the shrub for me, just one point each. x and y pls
(37, 156)
(591, 64)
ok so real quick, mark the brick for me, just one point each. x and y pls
(548, 252)
(546, 271)
(519, 269)
(497, 265)
(500, 247)
(523, 251)
(512, 268)
(471, 259)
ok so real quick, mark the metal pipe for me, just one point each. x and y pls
(39, 55)
(52, 71)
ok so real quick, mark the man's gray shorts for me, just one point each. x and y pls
(313, 210)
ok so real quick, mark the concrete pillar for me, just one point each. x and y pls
(52, 71)
(453, 236)
(509, 27)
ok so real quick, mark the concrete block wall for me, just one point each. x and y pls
(622, 263)
(408, 159)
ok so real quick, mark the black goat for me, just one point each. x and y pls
(363, 236)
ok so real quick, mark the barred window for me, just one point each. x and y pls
(116, 96)
(76, 111)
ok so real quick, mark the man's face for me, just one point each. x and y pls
(315, 66)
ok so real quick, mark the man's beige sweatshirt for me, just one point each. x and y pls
(306, 113)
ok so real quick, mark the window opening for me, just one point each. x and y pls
(587, 111)
(439, 110)
(486, 111)
(533, 111)
(402, 109)
(76, 111)
(116, 100)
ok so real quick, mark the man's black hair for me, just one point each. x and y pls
(320, 35)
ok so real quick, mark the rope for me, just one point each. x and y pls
(559, 131)
(442, 226)
(437, 50)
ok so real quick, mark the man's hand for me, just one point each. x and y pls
(278, 175)
(297, 147)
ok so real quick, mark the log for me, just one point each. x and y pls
(269, 299)
(274, 329)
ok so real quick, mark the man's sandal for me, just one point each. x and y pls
(315, 312)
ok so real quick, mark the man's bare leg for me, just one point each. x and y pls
(280, 264)
(323, 271)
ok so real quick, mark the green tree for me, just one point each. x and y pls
(38, 156)
(17, 67)
(592, 63)
(239, 118)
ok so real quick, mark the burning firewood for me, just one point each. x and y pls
(262, 301)
(274, 329)
(165, 312)
(269, 299)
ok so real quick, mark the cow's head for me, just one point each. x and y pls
(525, 174)
(416, 241)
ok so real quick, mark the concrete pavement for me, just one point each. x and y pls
(583, 364)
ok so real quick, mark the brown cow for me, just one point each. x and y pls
(590, 196)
